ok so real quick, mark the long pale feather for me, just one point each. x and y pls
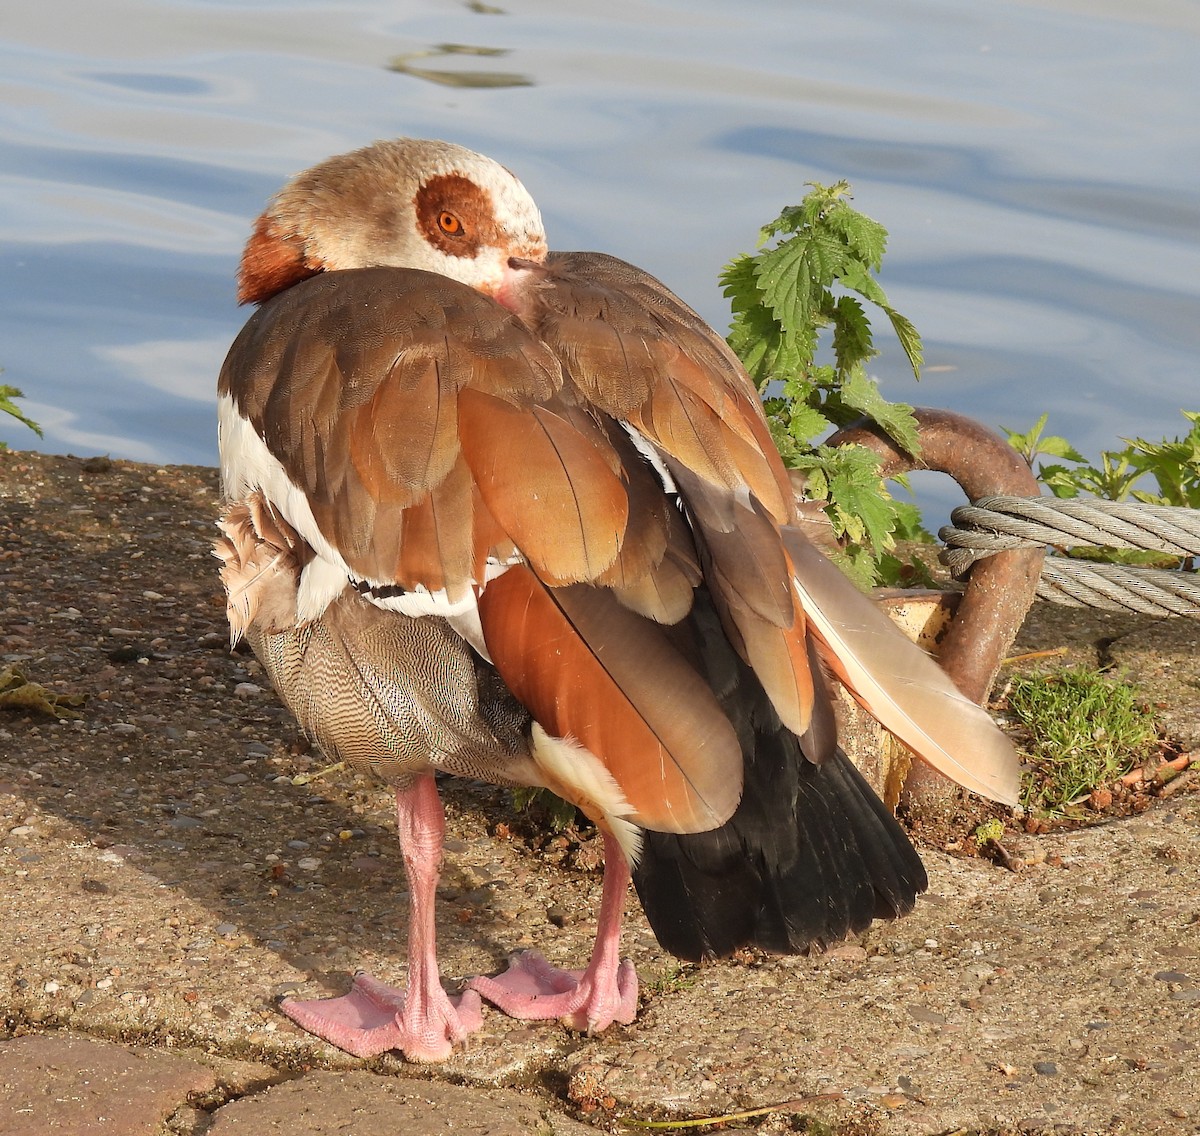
(898, 683)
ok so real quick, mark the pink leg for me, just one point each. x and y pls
(589, 999)
(422, 1020)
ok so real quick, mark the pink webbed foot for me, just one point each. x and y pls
(374, 1017)
(587, 1000)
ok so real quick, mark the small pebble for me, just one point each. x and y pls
(247, 690)
(851, 952)
(130, 653)
(308, 863)
(922, 1014)
(1045, 1068)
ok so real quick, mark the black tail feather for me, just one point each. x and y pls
(810, 856)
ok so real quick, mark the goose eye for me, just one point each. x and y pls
(449, 224)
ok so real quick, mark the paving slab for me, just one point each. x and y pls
(333, 1104)
(57, 1085)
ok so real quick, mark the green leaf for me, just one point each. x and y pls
(861, 393)
(7, 394)
(767, 350)
(793, 278)
(860, 509)
(866, 238)
(852, 344)
(864, 508)
(1059, 480)
(1030, 444)
(810, 279)
(860, 565)
(739, 284)
(790, 220)
(908, 523)
(857, 277)
(806, 423)
(910, 339)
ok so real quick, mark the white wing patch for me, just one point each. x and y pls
(247, 466)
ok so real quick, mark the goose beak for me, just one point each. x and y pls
(518, 284)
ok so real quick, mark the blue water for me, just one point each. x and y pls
(1037, 165)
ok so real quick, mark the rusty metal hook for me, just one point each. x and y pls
(1000, 588)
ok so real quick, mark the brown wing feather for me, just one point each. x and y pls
(637, 352)
(404, 440)
(419, 418)
(546, 484)
(589, 669)
(748, 573)
(438, 538)
(649, 527)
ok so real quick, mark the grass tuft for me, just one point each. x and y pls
(1084, 730)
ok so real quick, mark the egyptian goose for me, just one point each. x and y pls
(517, 516)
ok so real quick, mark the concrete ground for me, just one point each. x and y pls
(164, 879)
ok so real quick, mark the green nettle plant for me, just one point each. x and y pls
(7, 394)
(815, 267)
(1174, 465)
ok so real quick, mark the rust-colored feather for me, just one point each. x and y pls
(777, 655)
(271, 262)
(590, 670)
(645, 540)
(551, 490)
(352, 379)
(664, 593)
(438, 544)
